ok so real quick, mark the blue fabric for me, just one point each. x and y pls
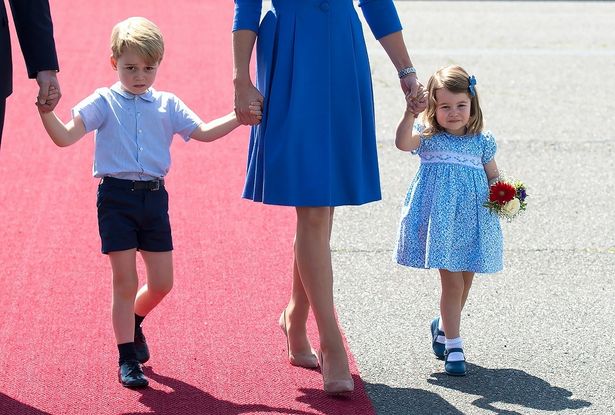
(316, 144)
(247, 15)
(381, 17)
(134, 132)
(443, 223)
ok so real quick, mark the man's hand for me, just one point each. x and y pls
(49, 90)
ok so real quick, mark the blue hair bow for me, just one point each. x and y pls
(472, 80)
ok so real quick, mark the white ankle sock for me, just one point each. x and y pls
(440, 326)
(457, 342)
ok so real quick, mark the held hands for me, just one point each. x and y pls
(248, 103)
(416, 95)
(256, 110)
(53, 96)
(49, 91)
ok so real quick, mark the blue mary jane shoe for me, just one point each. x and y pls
(438, 348)
(457, 368)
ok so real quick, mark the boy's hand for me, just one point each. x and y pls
(52, 99)
(256, 109)
(47, 80)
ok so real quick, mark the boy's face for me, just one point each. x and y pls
(136, 76)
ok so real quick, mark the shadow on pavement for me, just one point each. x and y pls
(11, 406)
(187, 399)
(392, 401)
(510, 386)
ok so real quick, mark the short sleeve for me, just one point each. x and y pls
(92, 110)
(247, 15)
(489, 147)
(418, 128)
(381, 16)
(184, 120)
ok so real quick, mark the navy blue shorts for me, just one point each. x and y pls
(133, 215)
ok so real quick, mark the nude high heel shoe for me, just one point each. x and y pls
(308, 361)
(335, 387)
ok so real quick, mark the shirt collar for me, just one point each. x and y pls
(147, 95)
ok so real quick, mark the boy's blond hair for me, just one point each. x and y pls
(141, 36)
(455, 79)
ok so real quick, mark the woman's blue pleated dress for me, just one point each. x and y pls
(316, 144)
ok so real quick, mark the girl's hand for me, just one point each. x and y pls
(245, 96)
(417, 104)
(415, 93)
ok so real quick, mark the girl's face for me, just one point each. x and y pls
(135, 74)
(452, 110)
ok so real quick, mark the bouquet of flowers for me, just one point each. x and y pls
(506, 198)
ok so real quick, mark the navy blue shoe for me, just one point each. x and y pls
(457, 368)
(141, 349)
(438, 348)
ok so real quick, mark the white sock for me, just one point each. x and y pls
(455, 343)
(440, 326)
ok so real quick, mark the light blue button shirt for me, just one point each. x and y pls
(133, 133)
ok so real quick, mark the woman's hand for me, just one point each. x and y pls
(245, 97)
(416, 96)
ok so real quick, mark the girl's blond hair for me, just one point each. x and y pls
(139, 35)
(456, 80)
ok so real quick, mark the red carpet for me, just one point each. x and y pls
(216, 347)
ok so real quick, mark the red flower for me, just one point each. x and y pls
(501, 192)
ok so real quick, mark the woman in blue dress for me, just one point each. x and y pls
(315, 147)
(443, 223)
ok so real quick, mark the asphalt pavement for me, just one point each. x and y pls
(539, 335)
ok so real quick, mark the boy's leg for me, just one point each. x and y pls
(159, 266)
(125, 284)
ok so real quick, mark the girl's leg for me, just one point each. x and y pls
(298, 307)
(313, 258)
(125, 284)
(468, 277)
(451, 301)
(159, 267)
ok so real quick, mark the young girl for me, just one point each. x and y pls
(443, 223)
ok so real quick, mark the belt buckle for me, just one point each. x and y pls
(156, 185)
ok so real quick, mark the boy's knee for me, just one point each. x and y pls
(125, 287)
(161, 288)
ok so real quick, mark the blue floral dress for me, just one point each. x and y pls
(443, 223)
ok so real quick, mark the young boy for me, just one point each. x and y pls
(134, 126)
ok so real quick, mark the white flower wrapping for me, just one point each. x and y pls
(511, 208)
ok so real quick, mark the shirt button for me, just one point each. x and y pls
(140, 131)
(140, 148)
(324, 6)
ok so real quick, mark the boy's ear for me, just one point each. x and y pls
(113, 62)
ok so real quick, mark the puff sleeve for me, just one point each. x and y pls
(247, 15)
(489, 147)
(418, 128)
(381, 16)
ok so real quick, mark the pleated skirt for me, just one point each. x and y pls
(316, 144)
